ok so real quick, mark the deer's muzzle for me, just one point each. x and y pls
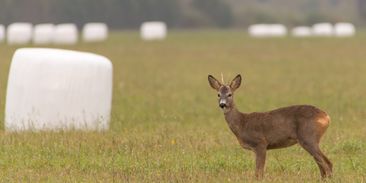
(222, 103)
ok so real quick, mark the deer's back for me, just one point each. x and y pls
(283, 126)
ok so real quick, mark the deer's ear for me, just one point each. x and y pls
(213, 82)
(235, 83)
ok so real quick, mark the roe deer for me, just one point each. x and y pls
(279, 128)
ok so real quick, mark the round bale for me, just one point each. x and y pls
(277, 30)
(267, 30)
(54, 89)
(19, 33)
(301, 31)
(323, 29)
(344, 29)
(43, 34)
(153, 31)
(66, 34)
(2, 33)
(258, 30)
(95, 32)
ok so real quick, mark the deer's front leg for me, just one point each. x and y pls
(260, 158)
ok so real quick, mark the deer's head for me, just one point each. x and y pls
(225, 91)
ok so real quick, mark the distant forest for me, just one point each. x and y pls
(129, 14)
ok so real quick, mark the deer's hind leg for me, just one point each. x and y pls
(328, 162)
(322, 161)
(309, 134)
(310, 142)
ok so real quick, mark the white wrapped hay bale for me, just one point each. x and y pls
(53, 89)
(66, 34)
(153, 31)
(43, 34)
(19, 33)
(343, 29)
(2, 33)
(258, 30)
(323, 29)
(267, 30)
(277, 30)
(301, 31)
(95, 32)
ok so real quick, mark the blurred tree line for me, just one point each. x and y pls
(129, 14)
(118, 13)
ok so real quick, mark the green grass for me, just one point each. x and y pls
(166, 125)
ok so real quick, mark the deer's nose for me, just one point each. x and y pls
(222, 103)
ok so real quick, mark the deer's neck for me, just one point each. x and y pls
(235, 119)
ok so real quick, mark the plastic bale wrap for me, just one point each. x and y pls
(43, 34)
(53, 89)
(344, 29)
(19, 33)
(267, 30)
(277, 30)
(301, 31)
(66, 34)
(323, 29)
(153, 31)
(2, 33)
(95, 32)
(258, 30)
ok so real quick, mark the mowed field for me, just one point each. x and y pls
(166, 124)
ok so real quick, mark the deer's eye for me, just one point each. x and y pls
(218, 95)
(230, 95)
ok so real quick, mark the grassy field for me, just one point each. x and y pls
(166, 125)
